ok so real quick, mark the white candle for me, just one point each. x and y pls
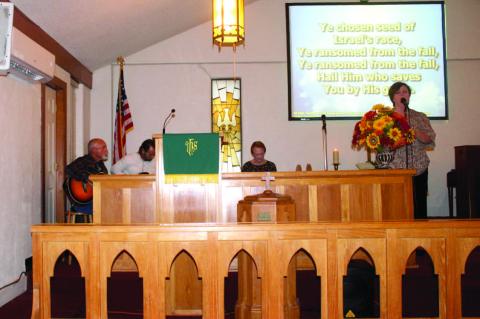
(336, 156)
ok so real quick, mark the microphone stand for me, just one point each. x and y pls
(407, 147)
(167, 119)
(324, 140)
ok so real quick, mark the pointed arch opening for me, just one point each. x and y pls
(67, 288)
(302, 287)
(420, 286)
(470, 285)
(242, 288)
(124, 288)
(183, 287)
(361, 287)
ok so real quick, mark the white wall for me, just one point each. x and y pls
(177, 72)
(20, 167)
(85, 133)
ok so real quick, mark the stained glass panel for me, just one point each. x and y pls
(226, 120)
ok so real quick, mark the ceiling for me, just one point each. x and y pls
(97, 31)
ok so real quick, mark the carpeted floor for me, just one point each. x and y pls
(18, 308)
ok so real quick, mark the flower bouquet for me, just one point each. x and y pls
(382, 130)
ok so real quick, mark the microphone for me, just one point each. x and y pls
(324, 123)
(404, 102)
(167, 119)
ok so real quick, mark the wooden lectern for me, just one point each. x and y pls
(199, 202)
(265, 207)
(185, 203)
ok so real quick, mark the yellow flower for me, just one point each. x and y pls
(379, 124)
(373, 140)
(378, 107)
(387, 109)
(395, 134)
(387, 120)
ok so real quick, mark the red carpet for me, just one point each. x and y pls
(18, 308)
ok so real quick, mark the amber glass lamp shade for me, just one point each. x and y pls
(228, 23)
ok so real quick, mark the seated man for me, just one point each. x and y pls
(78, 172)
(137, 163)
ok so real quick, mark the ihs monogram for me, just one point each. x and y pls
(191, 145)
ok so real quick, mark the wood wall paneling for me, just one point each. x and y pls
(211, 249)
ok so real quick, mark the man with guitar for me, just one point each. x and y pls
(77, 184)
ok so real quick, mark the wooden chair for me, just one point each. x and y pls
(451, 185)
(73, 211)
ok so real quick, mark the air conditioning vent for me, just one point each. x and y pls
(6, 22)
(23, 56)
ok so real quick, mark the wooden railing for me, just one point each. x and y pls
(271, 246)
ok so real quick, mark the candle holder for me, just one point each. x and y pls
(335, 166)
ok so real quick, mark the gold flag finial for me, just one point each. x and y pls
(121, 61)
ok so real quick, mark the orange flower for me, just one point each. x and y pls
(363, 125)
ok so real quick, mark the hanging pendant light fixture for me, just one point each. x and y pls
(228, 23)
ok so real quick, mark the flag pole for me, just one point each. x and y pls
(123, 117)
(121, 63)
(112, 105)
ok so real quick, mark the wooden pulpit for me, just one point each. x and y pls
(183, 178)
(267, 207)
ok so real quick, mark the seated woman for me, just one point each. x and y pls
(258, 163)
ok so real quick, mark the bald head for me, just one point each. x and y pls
(97, 148)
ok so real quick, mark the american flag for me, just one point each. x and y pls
(123, 121)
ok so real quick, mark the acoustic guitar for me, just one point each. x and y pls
(78, 192)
